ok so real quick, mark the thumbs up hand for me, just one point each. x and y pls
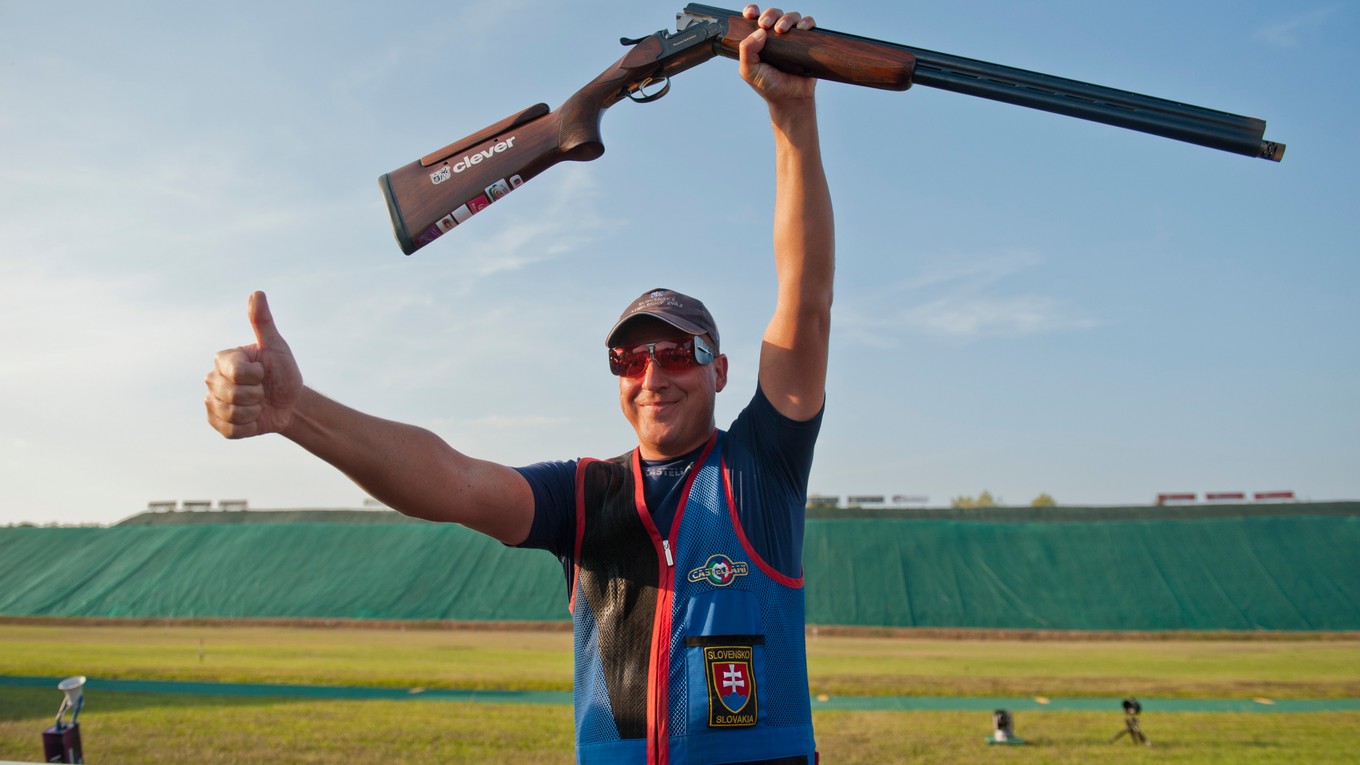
(253, 389)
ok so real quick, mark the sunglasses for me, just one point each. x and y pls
(667, 354)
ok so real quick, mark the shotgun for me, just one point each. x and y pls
(430, 196)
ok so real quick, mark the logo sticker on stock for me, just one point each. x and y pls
(497, 190)
(430, 234)
(478, 204)
(731, 686)
(719, 571)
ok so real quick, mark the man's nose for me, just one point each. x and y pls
(653, 376)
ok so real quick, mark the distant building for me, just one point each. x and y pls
(1274, 496)
(910, 499)
(868, 500)
(1168, 498)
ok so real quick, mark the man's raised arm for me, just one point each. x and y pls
(257, 389)
(793, 356)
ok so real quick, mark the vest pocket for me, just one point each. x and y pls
(728, 695)
(724, 660)
(723, 612)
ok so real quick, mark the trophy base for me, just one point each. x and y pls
(62, 744)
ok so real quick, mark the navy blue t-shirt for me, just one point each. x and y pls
(768, 455)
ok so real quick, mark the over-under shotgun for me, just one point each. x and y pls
(441, 190)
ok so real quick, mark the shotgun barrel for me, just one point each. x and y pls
(1097, 103)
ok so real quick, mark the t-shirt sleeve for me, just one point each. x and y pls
(554, 527)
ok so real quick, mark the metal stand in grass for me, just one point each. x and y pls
(1003, 725)
(1131, 711)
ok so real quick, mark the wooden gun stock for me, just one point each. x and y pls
(430, 196)
(436, 192)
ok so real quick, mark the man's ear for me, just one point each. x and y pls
(720, 372)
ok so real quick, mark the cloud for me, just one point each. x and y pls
(563, 219)
(978, 317)
(963, 298)
(559, 216)
(144, 209)
(503, 422)
(72, 330)
(974, 272)
(391, 64)
(1289, 33)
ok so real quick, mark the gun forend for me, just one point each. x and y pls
(813, 53)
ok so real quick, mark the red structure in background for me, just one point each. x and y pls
(1225, 496)
(1162, 499)
(1273, 495)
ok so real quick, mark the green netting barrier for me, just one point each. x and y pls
(1259, 573)
(1288, 572)
(314, 570)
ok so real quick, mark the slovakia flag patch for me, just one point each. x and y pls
(731, 686)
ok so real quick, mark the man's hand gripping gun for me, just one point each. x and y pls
(441, 190)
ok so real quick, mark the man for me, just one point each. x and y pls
(683, 557)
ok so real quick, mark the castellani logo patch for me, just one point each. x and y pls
(719, 570)
(731, 686)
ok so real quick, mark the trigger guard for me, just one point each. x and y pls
(636, 94)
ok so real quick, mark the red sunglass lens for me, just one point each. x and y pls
(627, 363)
(675, 359)
(632, 362)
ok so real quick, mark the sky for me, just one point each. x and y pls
(1025, 303)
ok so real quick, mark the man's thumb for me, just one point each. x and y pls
(262, 321)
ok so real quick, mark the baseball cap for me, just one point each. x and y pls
(676, 309)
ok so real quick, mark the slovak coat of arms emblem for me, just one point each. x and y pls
(731, 686)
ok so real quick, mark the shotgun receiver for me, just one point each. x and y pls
(429, 197)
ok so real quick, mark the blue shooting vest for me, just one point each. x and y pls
(689, 650)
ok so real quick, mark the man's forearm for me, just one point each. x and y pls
(804, 228)
(412, 470)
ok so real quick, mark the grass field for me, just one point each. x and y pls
(152, 728)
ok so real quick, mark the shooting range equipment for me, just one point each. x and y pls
(1131, 711)
(1003, 729)
(442, 190)
(61, 742)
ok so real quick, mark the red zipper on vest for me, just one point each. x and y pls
(658, 679)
